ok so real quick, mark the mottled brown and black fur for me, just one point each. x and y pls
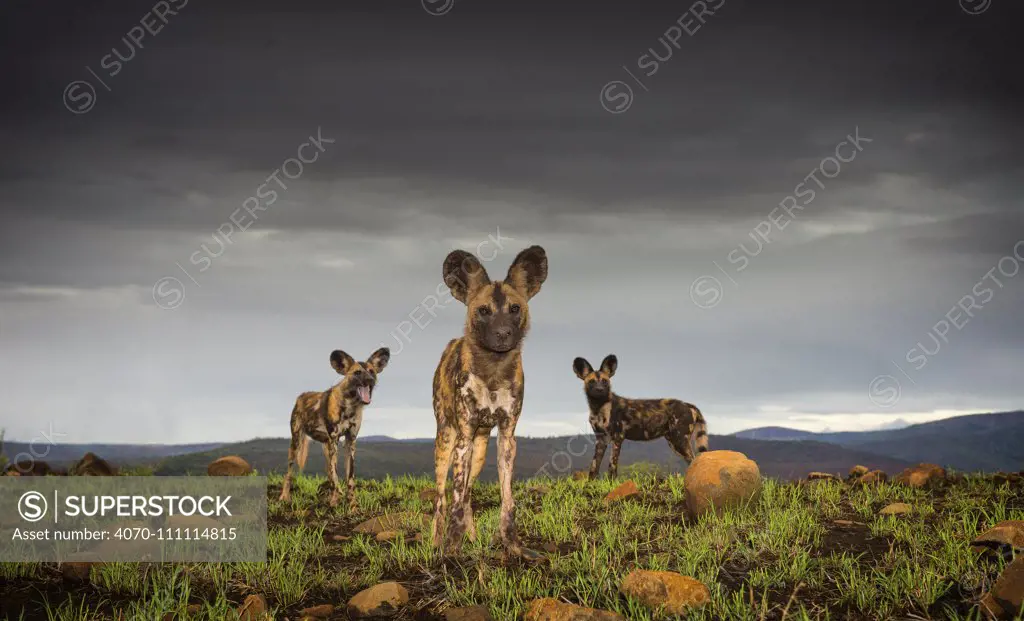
(478, 385)
(331, 415)
(616, 418)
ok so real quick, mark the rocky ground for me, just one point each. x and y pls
(721, 543)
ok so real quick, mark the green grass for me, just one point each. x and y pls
(782, 556)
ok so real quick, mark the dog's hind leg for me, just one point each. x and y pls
(444, 445)
(331, 457)
(296, 456)
(613, 461)
(679, 440)
(350, 472)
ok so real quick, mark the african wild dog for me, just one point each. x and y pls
(329, 415)
(617, 418)
(478, 385)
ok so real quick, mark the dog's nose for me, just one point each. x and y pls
(503, 333)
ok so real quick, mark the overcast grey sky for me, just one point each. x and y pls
(659, 211)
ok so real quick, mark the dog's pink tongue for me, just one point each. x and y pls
(364, 393)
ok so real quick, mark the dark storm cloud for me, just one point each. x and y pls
(449, 128)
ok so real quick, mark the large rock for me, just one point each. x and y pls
(872, 478)
(717, 480)
(253, 608)
(384, 599)
(548, 609)
(822, 476)
(1006, 599)
(673, 593)
(92, 466)
(32, 468)
(230, 466)
(621, 492)
(317, 612)
(1004, 538)
(921, 475)
(896, 508)
(858, 471)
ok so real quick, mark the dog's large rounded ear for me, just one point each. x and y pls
(609, 364)
(528, 271)
(379, 359)
(341, 361)
(463, 274)
(582, 368)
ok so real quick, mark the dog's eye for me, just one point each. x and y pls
(514, 309)
(484, 311)
(358, 372)
(604, 382)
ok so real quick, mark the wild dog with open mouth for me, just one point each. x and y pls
(330, 415)
(478, 385)
(617, 418)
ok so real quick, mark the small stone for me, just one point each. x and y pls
(921, 475)
(625, 490)
(1006, 599)
(428, 495)
(719, 480)
(896, 508)
(858, 471)
(654, 589)
(318, 612)
(76, 571)
(383, 599)
(872, 478)
(253, 608)
(580, 475)
(815, 476)
(548, 609)
(468, 613)
(1004, 537)
(336, 538)
(231, 466)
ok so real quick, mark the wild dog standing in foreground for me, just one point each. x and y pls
(328, 416)
(479, 385)
(617, 418)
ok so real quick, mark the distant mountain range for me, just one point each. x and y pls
(983, 442)
(975, 442)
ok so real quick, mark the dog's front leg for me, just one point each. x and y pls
(613, 463)
(599, 449)
(331, 457)
(461, 511)
(350, 472)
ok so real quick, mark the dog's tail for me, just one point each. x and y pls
(699, 437)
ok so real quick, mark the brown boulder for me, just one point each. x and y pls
(921, 475)
(428, 495)
(468, 613)
(816, 476)
(1006, 599)
(858, 471)
(872, 478)
(579, 475)
(92, 466)
(717, 480)
(549, 609)
(31, 468)
(388, 535)
(674, 593)
(896, 508)
(625, 490)
(230, 466)
(253, 608)
(76, 571)
(392, 522)
(1004, 537)
(380, 600)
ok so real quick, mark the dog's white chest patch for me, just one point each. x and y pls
(488, 400)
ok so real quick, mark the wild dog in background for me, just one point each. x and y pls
(617, 418)
(330, 415)
(478, 385)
